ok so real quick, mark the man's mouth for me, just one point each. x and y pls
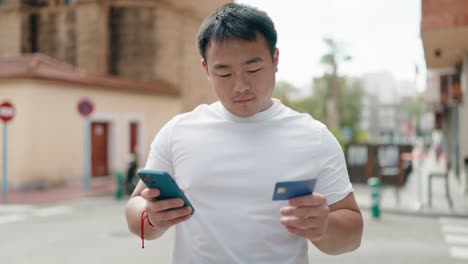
(243, 100)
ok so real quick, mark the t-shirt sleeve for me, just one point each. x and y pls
(333, 180)
(160, 156)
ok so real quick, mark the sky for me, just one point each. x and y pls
(380, 35)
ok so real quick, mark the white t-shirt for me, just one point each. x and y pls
(228, 167)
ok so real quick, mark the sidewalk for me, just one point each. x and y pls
(97, 187)
(413, 197)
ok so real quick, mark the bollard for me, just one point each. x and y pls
(119, 191)
(374, 184)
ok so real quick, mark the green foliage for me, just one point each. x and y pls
(338, 136)
(336, 54)
(283, 90)
(348, 95)
(350, 104)
(310, 105)
(415, 108)
(361, 137)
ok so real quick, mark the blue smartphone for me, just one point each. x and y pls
(167, 186)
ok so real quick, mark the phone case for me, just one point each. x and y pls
(166, 185)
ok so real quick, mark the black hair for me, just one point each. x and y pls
(236, 21)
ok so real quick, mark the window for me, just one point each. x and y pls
(131, 42)
(68, 2)
(357, 155)
(35, 3)
(32, 34)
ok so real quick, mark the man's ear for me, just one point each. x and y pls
(205, 66)
(276, 59)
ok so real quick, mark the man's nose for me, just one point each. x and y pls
(241, 85)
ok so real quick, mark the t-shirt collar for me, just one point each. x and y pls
(261, 116)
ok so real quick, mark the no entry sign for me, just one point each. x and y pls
(7, 111)
(85, 107)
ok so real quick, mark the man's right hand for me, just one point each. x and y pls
(164, 213)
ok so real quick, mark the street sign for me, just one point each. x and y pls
(85, 107)
(7, 111)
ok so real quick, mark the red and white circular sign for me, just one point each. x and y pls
(85, 107)
(7, 111)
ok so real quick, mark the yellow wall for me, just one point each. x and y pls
(46, 136)
(10, 33)
(18, 129)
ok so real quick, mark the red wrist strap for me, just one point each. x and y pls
(144, 215)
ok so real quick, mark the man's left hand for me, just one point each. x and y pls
(306, 216)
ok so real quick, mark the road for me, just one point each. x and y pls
(93, 230)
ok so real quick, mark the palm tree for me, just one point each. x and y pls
(332, 60)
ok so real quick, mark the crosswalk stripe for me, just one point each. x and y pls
(459, 252)
(452, 239)
(15, 208)
(50, 211)
(453, 221)
(12, 218)
(456, 235)
(454, 229)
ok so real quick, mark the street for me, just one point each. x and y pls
(93, 230)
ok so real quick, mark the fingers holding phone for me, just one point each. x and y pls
(165, 213)
(166, 203)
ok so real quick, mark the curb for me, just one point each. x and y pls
(395, 211)
(63, 194)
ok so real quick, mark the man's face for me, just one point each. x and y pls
(242, 74)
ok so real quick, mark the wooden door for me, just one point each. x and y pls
(99, 144)
(133, 137)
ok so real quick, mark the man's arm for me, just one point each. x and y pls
(333, 229)
(344, 228)
(161, 213)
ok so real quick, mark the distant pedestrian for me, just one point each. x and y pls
(132, 178)
(438, 151)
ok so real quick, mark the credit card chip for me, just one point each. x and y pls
(281, 190)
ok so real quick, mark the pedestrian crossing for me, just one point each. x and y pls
(10, 214)
(11, 218)
(455, 231)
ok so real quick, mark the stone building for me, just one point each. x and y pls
(136, 60)
(444, 33)
(146, 40)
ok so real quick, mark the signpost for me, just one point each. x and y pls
(7, 112)
(85, 108)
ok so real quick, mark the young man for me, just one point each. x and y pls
(227, 157)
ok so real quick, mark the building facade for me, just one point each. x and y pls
(136, 60)
(384, 117)
(46, 136)
(143, 40)
(444, 33)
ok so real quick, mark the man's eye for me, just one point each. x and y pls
(224, 75)
(254, 71)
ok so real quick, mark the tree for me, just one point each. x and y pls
(283, 91)
(415, 110)
(350, 107)
(332, 60)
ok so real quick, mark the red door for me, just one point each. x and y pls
(133, 137)
(99, 144)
